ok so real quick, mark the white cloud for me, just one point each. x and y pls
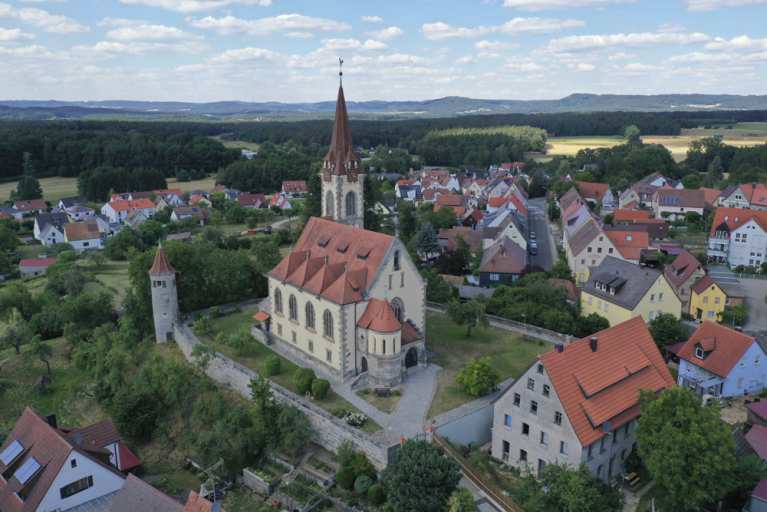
(328, 53)
(245, 54)
(111, 49)
(712, 5)
(638, 66)
(401, 58)
(50, 22)
(40, 1)
(14, 35)
(119, 22)
(585, 67)
(546, 5)
(375, 19)
(442, 31)
(522, 66)
(615, 41)
(285, 23)
(466, 59)
(489, 55)
(621, 56)
(668, 27)
(495, 46)
(151, 33)
(387, 33)
(537, 26)
(700, 57)
(737, 44)
(188, 6)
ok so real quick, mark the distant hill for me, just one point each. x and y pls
(450, 106)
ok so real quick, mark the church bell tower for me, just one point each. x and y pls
(341, 168)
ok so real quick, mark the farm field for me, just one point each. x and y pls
(239, 144)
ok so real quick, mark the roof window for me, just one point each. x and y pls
(699, 352)
(323, 242)
(27, 469)
(11, 453)
(342, 247)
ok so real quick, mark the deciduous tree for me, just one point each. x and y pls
(477, 377)
(667, 329)
(471, 312)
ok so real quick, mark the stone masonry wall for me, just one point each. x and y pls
(328, 431)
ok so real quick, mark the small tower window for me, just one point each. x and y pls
(396, 260)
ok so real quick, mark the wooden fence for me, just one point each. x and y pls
(506, 503)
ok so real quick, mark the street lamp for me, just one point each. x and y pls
(524, 319)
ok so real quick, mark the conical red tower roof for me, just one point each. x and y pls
(341, 148)
(161, 265)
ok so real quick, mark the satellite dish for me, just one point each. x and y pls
(216, 507)
(606, 426)
(78, 438)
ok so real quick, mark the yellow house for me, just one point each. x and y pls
(707, 299)
(620, 290)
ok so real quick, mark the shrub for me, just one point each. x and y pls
(540, 343)
(356, 419)
(320, 388)
(272, 365)
(397, 392)
(338, 412)
(190, 324)
(345, 453)
(303, 378)
(197, 317)
(221, 338)
(366, 391)
(135, 413)
(353, 501)
(326, 502)
(215, 312)
(363, 467)
(376, 495)
(362, 484)
(346, 477)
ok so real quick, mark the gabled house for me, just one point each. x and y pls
(758, 502)
(37, 206)
(448, 241)
(280, 201)
(738, 237)
(45, 469)
(619, 291)
(117, 211)
(408, 192)
(719, 361)
(52, 234)
(79, 213)
(627, 216)
(505, 222)
(13, 212)
(679, 202)
(200, 200)
(707, 299)
(190, 211)
(257, 201)
(30, 268)
(596, 192)
(658, 180)
(629, 240)
(750, 195)
(293, 188)
(587, 248)
(682, 273)
(83, 236)
(135, 218)
(578, 404)
(68, 202)
(471, 219)
(56, 219)
(502, 263)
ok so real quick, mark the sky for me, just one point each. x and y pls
(394, 50)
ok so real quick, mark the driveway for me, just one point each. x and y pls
(722, 275)
(755, 290)
(547, 255)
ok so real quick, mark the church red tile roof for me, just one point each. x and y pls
(379, 317)
(161, 265)
(341, 148)
(335, 261)
(728, 347)
(600, 386)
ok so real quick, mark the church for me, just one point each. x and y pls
(348, 301)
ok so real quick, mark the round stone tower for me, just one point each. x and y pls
(164, 296)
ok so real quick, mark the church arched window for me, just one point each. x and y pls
(293, 307)
(277, 300)
(399, 309)
(329, 203)
(396, 260)
(309, 316)
(327, 321)
(351, 204)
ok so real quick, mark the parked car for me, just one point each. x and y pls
(532, 235)
(533, 248)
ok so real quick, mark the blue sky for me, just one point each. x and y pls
(287, 50)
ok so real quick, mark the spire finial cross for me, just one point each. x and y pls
(341, 69)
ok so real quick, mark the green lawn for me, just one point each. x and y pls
(383, 403)
(254, 359)
(509, 353)
(53, 188)
(674, 373)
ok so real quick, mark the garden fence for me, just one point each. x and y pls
(751, 276)
(479, 479)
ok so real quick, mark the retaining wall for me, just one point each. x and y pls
(328, 431)
(188, 317)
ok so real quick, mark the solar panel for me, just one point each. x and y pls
(11, 452)
(27, 469)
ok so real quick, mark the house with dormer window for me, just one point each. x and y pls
(578, 404)
(721, 362)
(683, 273)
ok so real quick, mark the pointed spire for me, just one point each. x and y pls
(341, 152)
(162, 266)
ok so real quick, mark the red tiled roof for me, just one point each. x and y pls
(504, 257)
(742, 216)
(251, 199)
(711, 194)
(341, 151)
(685, 264)
(759, 408)
(687, 198)
(99, 434)
(593, 190)
(197, 503)
(197, 197)
(161, 265)
(409, 334)
(261, 316)
(473, 237)
(379, 317)
(757, 438)
(127, 459)
(595, 387)
(166, 191)
(450, 200)
(630, 205)
(704, 283)
(326, 252)
(217, 189)
(293, 186)
(138, 496)
(27, 206)
(75, 231)
(573, 292)
(521, 208)
(730, 347)
(121, 206)
(760, 491)
(631, 215)
(43, 262)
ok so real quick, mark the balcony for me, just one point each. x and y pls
(718, 246)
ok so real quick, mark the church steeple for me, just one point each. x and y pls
(341, 158)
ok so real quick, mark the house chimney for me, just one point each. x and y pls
(593, 343)
(560, 347)
(51, 419)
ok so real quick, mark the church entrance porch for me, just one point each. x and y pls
(411, 358)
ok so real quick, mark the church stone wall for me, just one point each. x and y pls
(328, 431)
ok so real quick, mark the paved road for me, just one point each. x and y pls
(547, 254)
(755, 290)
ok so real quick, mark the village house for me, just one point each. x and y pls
(707, 299)
(190, 211)
(280, 201)
(68, 202)
(447, 238)
(505, 222)
(682, 273)
(257, 201)
(627, 216)
(200, 200)
(13, 212)
(117, 211)
(294, 188)
(578, 404)
(502, 263)
(679, 202)
(587, 248)
(619, 290)
(52, 234)
(34, 206)
(629, 240)
(638, 196)
(80, 213)
(750, 195)
(471, 219)
(656, 179)
(738, 237)
(596, 192)
(83, 236)
(721, 362)
(55, 219)
(45, 467)
(31, 268)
